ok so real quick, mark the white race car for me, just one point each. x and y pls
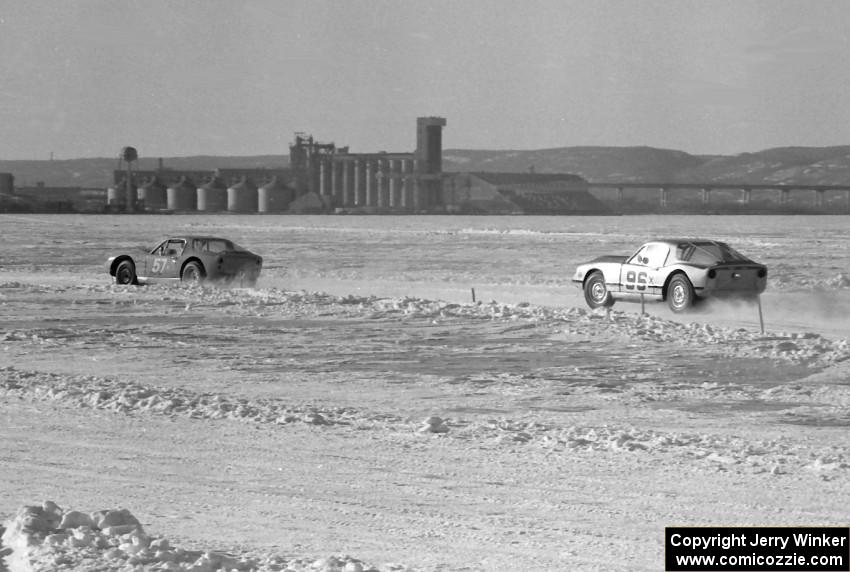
(680, 271)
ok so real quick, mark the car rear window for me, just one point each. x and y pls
(219, 245)
(213, 245)
(708, 253)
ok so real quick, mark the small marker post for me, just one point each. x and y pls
(473, 295)
(642, 308)
(761, 316)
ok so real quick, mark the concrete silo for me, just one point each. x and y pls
(274, 197)
(116, 195)
(153, 195)
(242, 197)
(181, 196)
(212, 196)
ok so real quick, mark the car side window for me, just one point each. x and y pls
(174, 247)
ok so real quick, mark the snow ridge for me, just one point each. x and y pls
(46, 537)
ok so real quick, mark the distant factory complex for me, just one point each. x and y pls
(324, 178)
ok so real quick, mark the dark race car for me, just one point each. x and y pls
(188, 259)
(680, 271)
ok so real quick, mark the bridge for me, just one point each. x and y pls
(816, 194)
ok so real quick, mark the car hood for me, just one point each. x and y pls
(132, 251)
(609, 258)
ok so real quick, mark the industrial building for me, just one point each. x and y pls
(522, 193)
(43, 198)
(324, 178)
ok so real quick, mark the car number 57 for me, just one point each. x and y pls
(159, 265)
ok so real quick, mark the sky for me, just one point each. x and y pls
(84, 78)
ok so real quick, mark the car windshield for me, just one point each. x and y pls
(708, 253)
(653, 254)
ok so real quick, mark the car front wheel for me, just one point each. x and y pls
(192, 273)
(125, 273)
(680, 293)
(596, 294)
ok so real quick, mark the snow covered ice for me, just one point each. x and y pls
(357, 410)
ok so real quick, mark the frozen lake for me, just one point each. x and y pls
(287, 422)
(508, 259)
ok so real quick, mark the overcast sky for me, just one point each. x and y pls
(82, 78)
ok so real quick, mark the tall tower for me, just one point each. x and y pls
(429, 144)
(428, 195)
(305, 159)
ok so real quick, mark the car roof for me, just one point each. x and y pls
(674, 241)
(196, 237)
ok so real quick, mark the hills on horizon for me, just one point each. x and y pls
(598, 164)
(780, 165)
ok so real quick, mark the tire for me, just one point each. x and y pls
(192, 273)
(125, 273)
(680, 294)
(596, 294)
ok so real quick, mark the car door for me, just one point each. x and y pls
(163, 261)
(642, 273)
(143, 267)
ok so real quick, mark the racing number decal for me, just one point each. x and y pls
(635, 280)
(159, 264)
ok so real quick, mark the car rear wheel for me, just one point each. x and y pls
(596, 294)
(192, 273)
(680, 293)
(125, 273)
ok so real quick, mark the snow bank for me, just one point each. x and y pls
(129, 397)
(734, 452)
(806, 347)
(609, 328)
(722, 452)
(46, 537)
(794, 279)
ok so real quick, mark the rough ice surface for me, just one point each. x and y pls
(358, 402)
(46, 537)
